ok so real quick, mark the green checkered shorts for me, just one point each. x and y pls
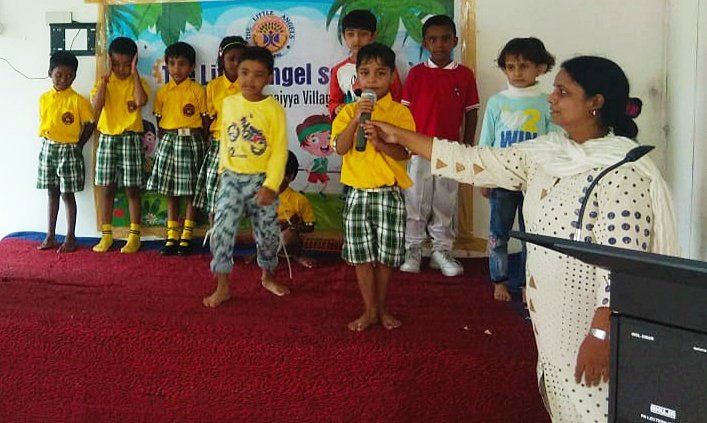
(374, 226)
(207, 184)
(176, 166)
(119, 160)
(61, 165)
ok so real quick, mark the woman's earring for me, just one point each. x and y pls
(594, 112)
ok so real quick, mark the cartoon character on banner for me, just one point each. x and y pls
(149, 144)
(154, 207)
(314, 134)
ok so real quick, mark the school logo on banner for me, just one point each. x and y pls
(273, 31)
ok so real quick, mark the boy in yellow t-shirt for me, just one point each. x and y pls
(295, 214)
(118, 98)
(253, 156)
(65, 124)
(180, 109)
(374, 214)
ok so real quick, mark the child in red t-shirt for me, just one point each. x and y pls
(443, 99)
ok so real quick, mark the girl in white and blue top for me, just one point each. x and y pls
(517, 114)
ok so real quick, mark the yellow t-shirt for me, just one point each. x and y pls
(62, 115)
(180, 106)
(371, 168)
(216, 90)
(120, 113)
(293, 203)
(254, 138)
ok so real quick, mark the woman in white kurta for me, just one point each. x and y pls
(630, 208)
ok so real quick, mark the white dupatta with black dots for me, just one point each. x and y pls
(560, 157)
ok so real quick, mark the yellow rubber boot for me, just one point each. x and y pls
(133, 243)
(106, 239)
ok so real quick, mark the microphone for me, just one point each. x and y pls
(633, 155)
(360, 135)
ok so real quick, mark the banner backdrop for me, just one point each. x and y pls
(305, 39)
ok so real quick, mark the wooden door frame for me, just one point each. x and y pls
(465, 224)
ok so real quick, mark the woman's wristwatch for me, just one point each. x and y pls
(600, 334)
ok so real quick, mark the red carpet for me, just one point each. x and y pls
(115, 338)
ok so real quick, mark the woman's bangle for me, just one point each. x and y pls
(600, 334)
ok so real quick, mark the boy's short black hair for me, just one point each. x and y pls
(258, 54)
(439, 20)
(63, 58)
(123, 45)
(292, 166)
(376, 51)
(180, 49)
(359, 19)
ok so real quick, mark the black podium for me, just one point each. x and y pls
(658, 331)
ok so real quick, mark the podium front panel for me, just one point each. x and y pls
(660, 374)
(661, 301)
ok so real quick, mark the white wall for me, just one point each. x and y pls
(698, 217)
(25, 43)
(630, 32)
(687, 105)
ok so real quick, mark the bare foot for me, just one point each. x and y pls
(363, 322)
(500, 292)
(48, 244)
(305, 261)
(389, 321)
(219, 296)
(69, 246)
(273, 286)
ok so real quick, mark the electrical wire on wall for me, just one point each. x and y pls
(20, 72)
(71, 46)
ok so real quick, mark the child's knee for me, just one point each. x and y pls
(68, 196)
(53, 192)
(290, 237)
(496, 242)
(133, 193)
(293, 243)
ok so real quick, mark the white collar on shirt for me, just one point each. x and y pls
(451, 65)
(516, 92)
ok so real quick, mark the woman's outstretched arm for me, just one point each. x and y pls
(484, 167)
(415, 143)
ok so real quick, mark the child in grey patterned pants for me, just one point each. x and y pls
(236, 198)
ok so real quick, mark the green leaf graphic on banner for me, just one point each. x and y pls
(120, 18)
(146, 16)
(413, 25)
(387, 28)
(432, 7)
(332, 12)
(174, 18)
(169, 20)
(391, 13)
